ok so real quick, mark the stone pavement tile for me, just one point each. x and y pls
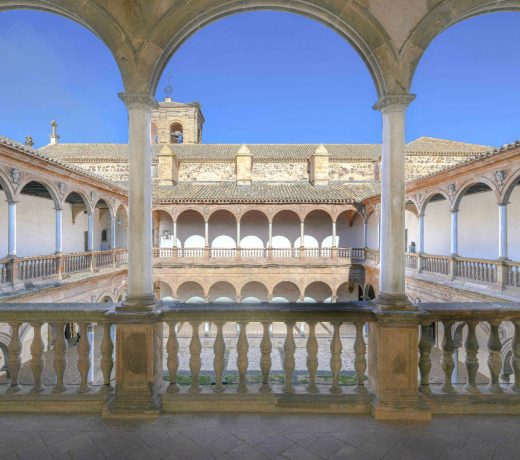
(506, 453)
(220, 444)
(301, 438)
(51, 437)
(354, 437)
(8, 456)
(144, 453)
(274, 445)
(20, 440)
(67, 445)
(119, 444)
(352, 453)
(83, 453)
(245, 452)
(379, 444)
(324, 445)
(406, 453)
(32, 453)
(296, 452)
(252, 437)
(466, 454)
(424, 445)
(182, 447)
(481, 444)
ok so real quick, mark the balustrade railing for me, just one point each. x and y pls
(57, 265)
(412, 261)
(476, 269)
(513, 274)
(435, 264)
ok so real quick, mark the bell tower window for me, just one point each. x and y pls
(176, 133)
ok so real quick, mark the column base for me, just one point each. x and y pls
(409, 409)
(138, 303)
(132, 406)
(394, 302)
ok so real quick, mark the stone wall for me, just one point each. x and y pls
(422, 165)
(349, 171)
(211, 172)
(114, 171)
(290, 171)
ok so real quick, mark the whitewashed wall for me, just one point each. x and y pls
(373, 234)
(437, 224)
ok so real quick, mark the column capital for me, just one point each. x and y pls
(394, 102)
(138, 101)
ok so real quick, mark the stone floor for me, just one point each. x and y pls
(258, 437)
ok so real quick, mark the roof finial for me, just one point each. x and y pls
(29, 141)
(168, 90)
(54, 135)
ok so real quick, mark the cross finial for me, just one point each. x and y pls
(54, 135)
(168, 90)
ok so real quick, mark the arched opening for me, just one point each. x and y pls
(176, 133)
(35, 220)
(121, 227)
(370, 293)
(349, 229)
(454, 81)
(478, 222)
(163, 230)
(285, 292)
(102, 226)
(437, 225)
(106, 299)
(222, 292)
(286, 231)
(190, 233)
(222, 231)
(75, 223)
(513, 222)
(318, 291)
(411, 218)
(317, 230)
(253, 292)
(164, 290)
(349, 292)
(254, 231)
(190, 292)
(373, 231)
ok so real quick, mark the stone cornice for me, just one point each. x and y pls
(139, 101)
(394, 102)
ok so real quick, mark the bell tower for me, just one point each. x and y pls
(176, 122)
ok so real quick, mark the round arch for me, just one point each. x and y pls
(222, 229)
(349, 292)
(254, 292)
(6, 186)
(36, 185)
(190, 229)
(510, 185)
(318, 291)
(222, 292)
(365, 40)
(254, 229)
(76, 197)
(286, 291)
(190, 292)
(474, 186)
(435, 195)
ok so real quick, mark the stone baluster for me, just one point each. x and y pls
(265, 359)
(515, 360)
(195, 363)
(335, 357)
(447, 362)
(83, 357)
(289, 347)
(471, 362)
(60, 358)
(219, 348)
(107, 363)
(312, 357)
(37, 360)
(172, 348)
(494, 358)
(242, 362)
(15, 363)
(425, 362)
(360, 362)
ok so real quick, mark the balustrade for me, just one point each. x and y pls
(481, 270)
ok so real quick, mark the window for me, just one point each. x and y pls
(104, 236)
(176, 133)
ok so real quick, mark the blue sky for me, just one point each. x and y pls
(262, 77)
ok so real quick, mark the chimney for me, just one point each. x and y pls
(243, 165)
(54, 135)
(168, 168)
(319, 166)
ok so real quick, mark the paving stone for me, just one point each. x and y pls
(296, 452)
(251, 437)
(352, 453)
(274, 445)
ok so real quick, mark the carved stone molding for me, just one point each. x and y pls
(394, 102)
(139, 101)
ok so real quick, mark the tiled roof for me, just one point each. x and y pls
(261, 152)
(297, 192)
(65, 165)
(432, 145)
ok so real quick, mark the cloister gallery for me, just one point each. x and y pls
(386, 275)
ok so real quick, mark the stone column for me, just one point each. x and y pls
(238, 252)
(113, 243)
(421, 234)
(206, 234)
(90, 232)
(454, 237)
(365, 233)
(392, 252)
(379, 235)
(302, 236)
(140, 287)
(59, 231)
(270, 241)
(11, 230)
(334, 234)
(174, 233)
(502, 231)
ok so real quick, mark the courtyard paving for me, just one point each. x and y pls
(237, 437)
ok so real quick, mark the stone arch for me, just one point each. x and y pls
(349, 292)
(367, 36)
(111, 211)
(411, 206)
(222, 292)
(509, 186)
(470, 185)
(176, 132)
(254, 233)
(7, 186)
(165, 291)
(190, 292)
(442, 16)
(318, 234)
(286, 230)
(190, 229)
(370, 292)
(37, 184)
(286, 291)
(254, 292)
(350, 229)
(76, 197)
(222, 232)
(435, 195)
(318, 291)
